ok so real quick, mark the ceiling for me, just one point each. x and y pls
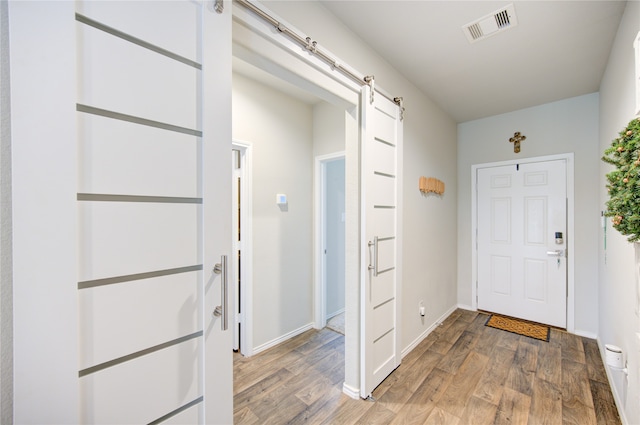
(558, 49)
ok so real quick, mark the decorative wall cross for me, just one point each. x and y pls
(516, 139)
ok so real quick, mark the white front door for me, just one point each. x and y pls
(522, 226)
(150, 185)
(381, 154)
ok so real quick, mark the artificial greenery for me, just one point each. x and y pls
(624, 182)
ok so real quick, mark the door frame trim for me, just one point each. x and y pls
(255, 42)
(245, 303)
(568, 157)
(320, 225)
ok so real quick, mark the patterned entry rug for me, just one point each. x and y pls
(519, 326)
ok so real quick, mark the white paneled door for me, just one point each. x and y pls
(152, 201)
(522, 222)
(382, 153)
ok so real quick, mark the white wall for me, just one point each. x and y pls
(617, 291)
(429, 238)
(569, 125)
(279, 128)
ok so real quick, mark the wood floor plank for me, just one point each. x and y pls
(575, 382)
(513, 408)
(604, 404)
(479, 323)
(489, 340)
(441, 345)
(491, 384)
(255, 375)
(595, 367)
(441, 417)
(395, 398)
(312, 387)
(555, 336)
(317, 359)
(550, 363)
(390, 381)
(458, 352)
(467, 316)
(300, 381)
(546, 404)
(448, 321)
(260, 389)
(407, 381)
(335, 373)
(320, 409)
(278, 407)
(523, 369)
(455, 330)
(377, 415)
(245, 417)
(425, 364)
(479, 412)
(577, 400)
(459, 391)
(405, 375)
(415, 354)
(572, 347)
(348, 411)
(248, 364)
(508, 340)
(323, 337)
(420, 405)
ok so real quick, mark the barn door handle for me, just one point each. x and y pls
(374, 257)
(222, 310)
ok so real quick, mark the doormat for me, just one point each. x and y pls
(519, 326)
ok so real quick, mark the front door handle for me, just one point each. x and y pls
(222, 310)
(556, 253)
(374, 257)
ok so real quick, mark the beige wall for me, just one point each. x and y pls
(279, 130)
(618, 321)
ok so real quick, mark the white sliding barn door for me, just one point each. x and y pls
(381, 155)
(152, 211)
(522, 267)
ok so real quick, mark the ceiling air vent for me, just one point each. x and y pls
(491, 24)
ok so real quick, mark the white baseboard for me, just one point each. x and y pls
(426, 333)
(282, 338)
(586, 334)
(467, 307)
(614, 389)
(354, 393)
(332, 315)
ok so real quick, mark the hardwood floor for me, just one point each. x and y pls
(462, 373)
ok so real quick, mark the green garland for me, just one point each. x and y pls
(624, 182)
